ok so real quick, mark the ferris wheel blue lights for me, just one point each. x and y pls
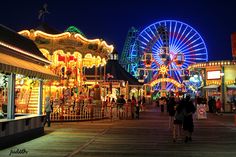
(182, 38)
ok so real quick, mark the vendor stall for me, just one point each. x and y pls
(20, 61)
(219, 81)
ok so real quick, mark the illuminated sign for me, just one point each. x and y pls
(213, 75)
(176, 83)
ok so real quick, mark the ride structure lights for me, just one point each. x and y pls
(173, 46)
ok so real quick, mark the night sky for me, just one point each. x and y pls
(110, 20)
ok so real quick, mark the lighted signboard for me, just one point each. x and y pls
(213, 75)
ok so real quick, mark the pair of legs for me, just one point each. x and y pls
(47, 119)
(188, 136)
(188, 129)
(177, 130)
(137, 112)
(171, 122)
(218, 111)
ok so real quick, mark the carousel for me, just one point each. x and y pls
(70, 54)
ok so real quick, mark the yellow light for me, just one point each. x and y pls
(68, 34)
(65, 34)
(176, 83)
(25, 32)
(24, 52)
(163, 69)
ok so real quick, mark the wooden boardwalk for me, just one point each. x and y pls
(149, 136)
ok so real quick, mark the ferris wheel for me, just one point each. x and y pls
(184, 44)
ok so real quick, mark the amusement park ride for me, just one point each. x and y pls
(160, 55)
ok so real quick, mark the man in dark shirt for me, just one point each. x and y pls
(120, 101)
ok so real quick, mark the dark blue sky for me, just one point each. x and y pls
(110, 20)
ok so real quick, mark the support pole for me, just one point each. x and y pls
(40, 99)
(11, 96)
(223, 88)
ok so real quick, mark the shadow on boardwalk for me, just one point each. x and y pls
(149, 136)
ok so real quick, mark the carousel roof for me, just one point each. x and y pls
(13, 40)
(69, 41)
(73, 29)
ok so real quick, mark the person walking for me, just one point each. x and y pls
(162, 103)
(120, 104)
(133, 106)
(171, 110)
(188, 126)
(178, 121)
(137, 106)
(218, 106)
(213, 105)
(48, 111)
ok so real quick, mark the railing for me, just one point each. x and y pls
(90, 112)
(74, 113)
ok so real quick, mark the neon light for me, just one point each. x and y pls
(182, 39)
(163, 69)
(152, 32)
(181, 43)
(186, 47)
(176, 83)
(144, 38)
(148, 35)
(68, 34)
(74, 29)
(65, 34)
(25, 32)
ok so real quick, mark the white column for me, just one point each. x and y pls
(11, 96)
(40, 99)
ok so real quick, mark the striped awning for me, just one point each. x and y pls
(10, 64)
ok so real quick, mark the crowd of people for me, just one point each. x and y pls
(214, 105)
(126, 108)
(132, 106)
(180, 111)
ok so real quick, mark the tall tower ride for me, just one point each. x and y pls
(126, 60)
